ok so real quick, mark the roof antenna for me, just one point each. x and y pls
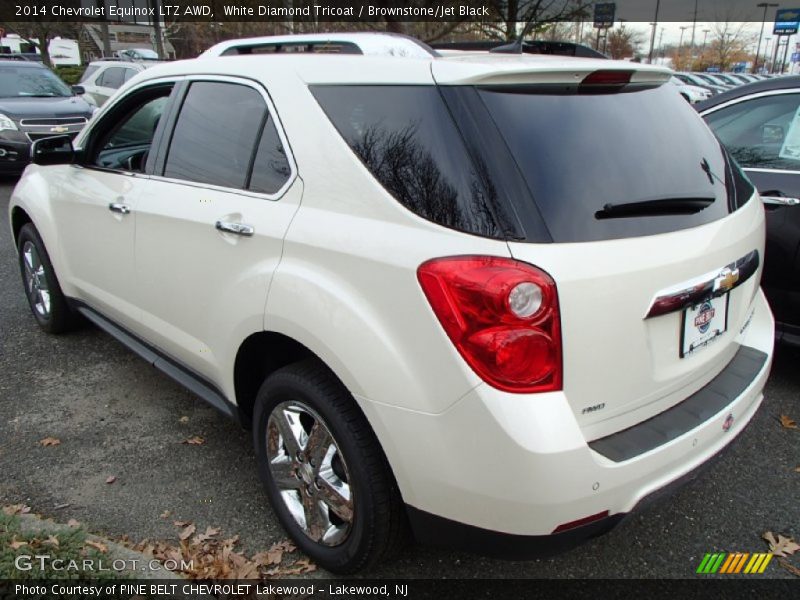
(515, 47)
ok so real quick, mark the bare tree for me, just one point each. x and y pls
(729, 45)
(623, 42)
(509, 14)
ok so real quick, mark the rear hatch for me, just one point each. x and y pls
(638, 202)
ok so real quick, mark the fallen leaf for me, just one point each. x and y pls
(16, 509)
(14, 544)
(787, 422)
(187, 532)
(271, 557)
(782, 546)
(195, 440)
(73, 523)
(184, 419)
(165, 514)
(49, 441)
(181, 523)
(97, 546)
(52, 540)
(111, 479)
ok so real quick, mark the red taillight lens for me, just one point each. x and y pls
(502, 315)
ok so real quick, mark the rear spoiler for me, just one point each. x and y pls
(529, 47)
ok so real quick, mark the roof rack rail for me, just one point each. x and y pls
(371, 44)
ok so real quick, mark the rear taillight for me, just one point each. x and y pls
(502, 315)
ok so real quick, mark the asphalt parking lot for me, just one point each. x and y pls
(116, 416)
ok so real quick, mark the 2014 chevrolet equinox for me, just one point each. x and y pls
(498, 298)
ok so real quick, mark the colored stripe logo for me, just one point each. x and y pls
(734, 562)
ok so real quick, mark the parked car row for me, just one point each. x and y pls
(717, 83)
(521, 294)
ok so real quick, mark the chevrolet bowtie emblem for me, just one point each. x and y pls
(726, 280)
(59, 129)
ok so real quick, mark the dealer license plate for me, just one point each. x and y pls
(703, 323)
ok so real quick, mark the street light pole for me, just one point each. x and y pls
(653, 33)
(765, 6)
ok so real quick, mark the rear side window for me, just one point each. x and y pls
(580, 154)
(216, 133)
(112, 77)
(407, 139)
(271, 167)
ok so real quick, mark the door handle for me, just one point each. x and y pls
(235, 228)
(119, 207)
(780, 200)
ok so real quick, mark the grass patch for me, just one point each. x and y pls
(69, 556)
(71, 75)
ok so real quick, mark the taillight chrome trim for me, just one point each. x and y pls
(710, 285)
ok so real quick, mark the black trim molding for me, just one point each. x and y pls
(685, 416)
(167, 365)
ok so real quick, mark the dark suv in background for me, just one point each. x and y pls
(34, 104)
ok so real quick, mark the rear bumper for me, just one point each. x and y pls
(439, 531)
(505, 472)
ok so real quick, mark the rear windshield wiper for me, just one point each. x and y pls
(654, 208)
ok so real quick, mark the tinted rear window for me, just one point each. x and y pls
(579, 153)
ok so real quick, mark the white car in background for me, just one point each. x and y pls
(691, 93)
(102, 78)
(436, 301)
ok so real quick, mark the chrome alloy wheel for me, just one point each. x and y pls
(35, 280)
(310, 472)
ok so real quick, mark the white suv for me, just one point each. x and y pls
(500, 299)
(102, 78)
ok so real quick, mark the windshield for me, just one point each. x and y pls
(22, 82)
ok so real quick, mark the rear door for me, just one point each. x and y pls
(210, 224)
(762, 131)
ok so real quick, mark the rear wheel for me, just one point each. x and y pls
(324, 471)
(47, 302)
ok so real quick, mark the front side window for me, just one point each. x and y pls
(216, 134)
(761, 132)
(87, 74)
(124, 137)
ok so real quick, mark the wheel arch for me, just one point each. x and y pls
(19, 218)
(264, 352)
(259, 355)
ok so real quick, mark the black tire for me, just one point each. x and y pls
(59, 318)
(378, 529)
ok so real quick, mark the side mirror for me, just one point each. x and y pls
(772, 134)
(56, 150)
(78, 90)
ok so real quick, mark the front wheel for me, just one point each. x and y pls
(324, 471)
(47, 301)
